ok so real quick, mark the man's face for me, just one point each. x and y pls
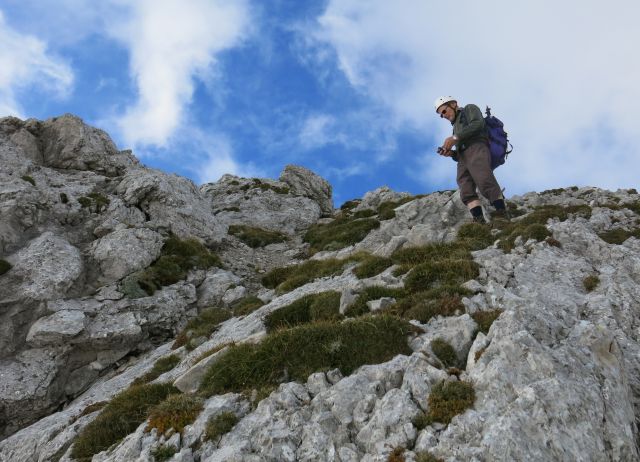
(447, 112)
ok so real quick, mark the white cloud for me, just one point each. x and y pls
(562, 76)
(171, 42)
(24, 63)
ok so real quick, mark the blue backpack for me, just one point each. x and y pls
(498, 142)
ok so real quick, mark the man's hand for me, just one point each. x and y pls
(449, 143)
(445, 153)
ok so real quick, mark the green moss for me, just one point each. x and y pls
(359, 307)
(618, 236)
(202, 326)
(371, 265)
(294, 354)
(219, 425)
(445, 352)
(177, 411)
(161, 366)
(246, 305)
(64, 198)
(422, 306)
(313, 307)
(290, 277)
(163, 452)
(590, 283)
(444, 272)
(256, 237)
(448, 399)
(126, 411)
(340, 233)
(29, 179)
(484, 319)
(4, 266)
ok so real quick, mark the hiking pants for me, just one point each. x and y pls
(474, 170)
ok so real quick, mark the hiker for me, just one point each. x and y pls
(472, 155)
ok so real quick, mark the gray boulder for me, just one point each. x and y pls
(306, 183)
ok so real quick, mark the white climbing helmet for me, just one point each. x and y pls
(443, 100)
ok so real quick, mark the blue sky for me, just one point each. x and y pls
(343, 87)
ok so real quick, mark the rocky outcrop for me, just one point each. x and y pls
(555, 377)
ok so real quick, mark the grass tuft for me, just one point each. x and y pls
(424, 305)
(371, 265)
(219, 425)
(161, 366)
(126, 411)
(296, 353)
(203, 325)
(397, 455)
(448, 399)
(177, 411)
(341, 232)
(618, 236)
(246, 305)
(440, 273)
(484, 319)
(475, 235)
(313, 307)
(359, 307)
(445, 352)
(290, 277)
(590, 283)
(424, 456)
(163, 452)
(256, 237)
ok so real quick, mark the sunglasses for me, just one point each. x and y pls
(443, 112)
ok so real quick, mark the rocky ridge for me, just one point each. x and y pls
(555, 377)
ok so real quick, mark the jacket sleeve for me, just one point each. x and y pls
(475, 123)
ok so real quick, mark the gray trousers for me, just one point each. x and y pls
(474, 170)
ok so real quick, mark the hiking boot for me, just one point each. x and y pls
(480, 219)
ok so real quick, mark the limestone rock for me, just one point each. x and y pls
(306, 183)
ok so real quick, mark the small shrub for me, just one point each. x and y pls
(64, 198)
(359, 307)
(126, 411)
(294, 354)
(161, 366)
(256, 237)
(202, 326)
(246, 305)
(4, 266)
(443, 272)
(484, 319)
(445, 352)
(313, 307)
(85, 202)
(448, 399)
(553, 242)
(590, 283)
(366, 213)
(350, 205)
(386, 210)
(618, 236)
(219, 425)
(372, 265)
(163, 452)
(177, 411)
(177, 257)
(101, 202)
(340, 233)
(29, 179)
(397, 455)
